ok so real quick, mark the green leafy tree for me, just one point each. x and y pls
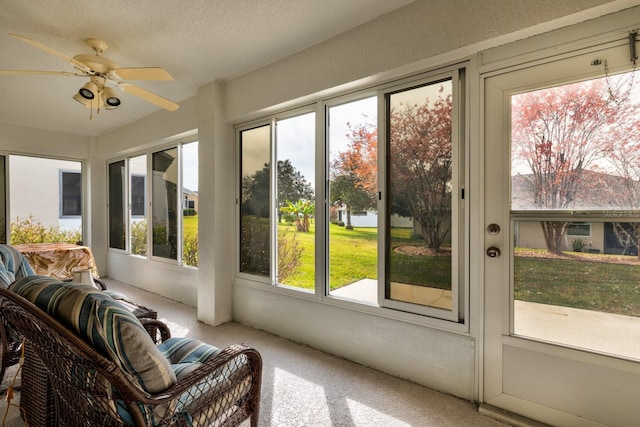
(292, 185)
(301, 211)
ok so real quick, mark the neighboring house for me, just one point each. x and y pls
(370, 219)
(190, 199)
(47, 189)
(597, 237)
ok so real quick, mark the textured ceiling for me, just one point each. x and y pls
(197, 41)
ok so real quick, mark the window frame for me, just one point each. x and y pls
(459, 320)
(586, 224)
(148, 202)
(61, 174)
(456, 75)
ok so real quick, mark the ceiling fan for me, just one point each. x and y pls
(103, 75)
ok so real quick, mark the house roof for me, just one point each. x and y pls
(598, 190)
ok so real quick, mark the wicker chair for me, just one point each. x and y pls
(90, 389)
(13, 265)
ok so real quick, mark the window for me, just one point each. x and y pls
(138, 195)
(288, 213)
(392, 209)
(255, 209)
(423, 219)
(138, 202)
(352, 163)
(117, 214)
(163, 199)
(71, 198)
(579, 229)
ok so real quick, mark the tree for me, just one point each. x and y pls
(255, 193)
(292, 185)
(559, 133)
(354, 172)
(421, 166)
(301, 211)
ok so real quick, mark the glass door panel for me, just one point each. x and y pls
(575, 154)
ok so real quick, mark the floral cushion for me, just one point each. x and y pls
(104, 324)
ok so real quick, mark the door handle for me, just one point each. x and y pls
(493, 252)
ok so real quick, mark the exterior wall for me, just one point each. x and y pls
(529, 235)
(35, 189)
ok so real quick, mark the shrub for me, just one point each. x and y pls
(578, 245)
(139, 237)
(190, 250)
(289, 253)
(31, 230)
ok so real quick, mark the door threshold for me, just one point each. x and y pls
(508, 418)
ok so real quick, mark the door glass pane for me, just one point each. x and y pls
(295, 139)
(255, 211)
(419, 243)
(36, 193)
(575, 148)
(353, 215)
(116, 205)
(165, 202)
(138, 203)
(190, 207)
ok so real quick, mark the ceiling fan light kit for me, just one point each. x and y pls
(96, 93)
(88, 91)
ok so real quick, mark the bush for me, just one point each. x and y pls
(578, 245)
(190, 250)
(189, 212)
(289, 254)
(139, 237)
(31, 230)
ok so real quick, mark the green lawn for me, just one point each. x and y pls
(594, 284)
(591, 285)
(190, 225)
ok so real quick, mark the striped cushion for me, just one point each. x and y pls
(103, 323)
(186, 354)
(15, 265)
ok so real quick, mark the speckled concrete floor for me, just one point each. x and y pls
(305, 387)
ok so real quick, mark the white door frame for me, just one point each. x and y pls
(554, 384)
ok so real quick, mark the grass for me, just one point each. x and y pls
(590, 285)
(353, 256)
(593, 283)
(190, 225)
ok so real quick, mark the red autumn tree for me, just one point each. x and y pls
(624, 155)
(354, 172)
(421, 166)
(559, 133)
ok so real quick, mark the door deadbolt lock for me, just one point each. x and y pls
(493, 229)
(493, 252)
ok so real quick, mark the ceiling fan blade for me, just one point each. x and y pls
(79, 65)
(36, 72)
(143, 73)
(149, 96)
